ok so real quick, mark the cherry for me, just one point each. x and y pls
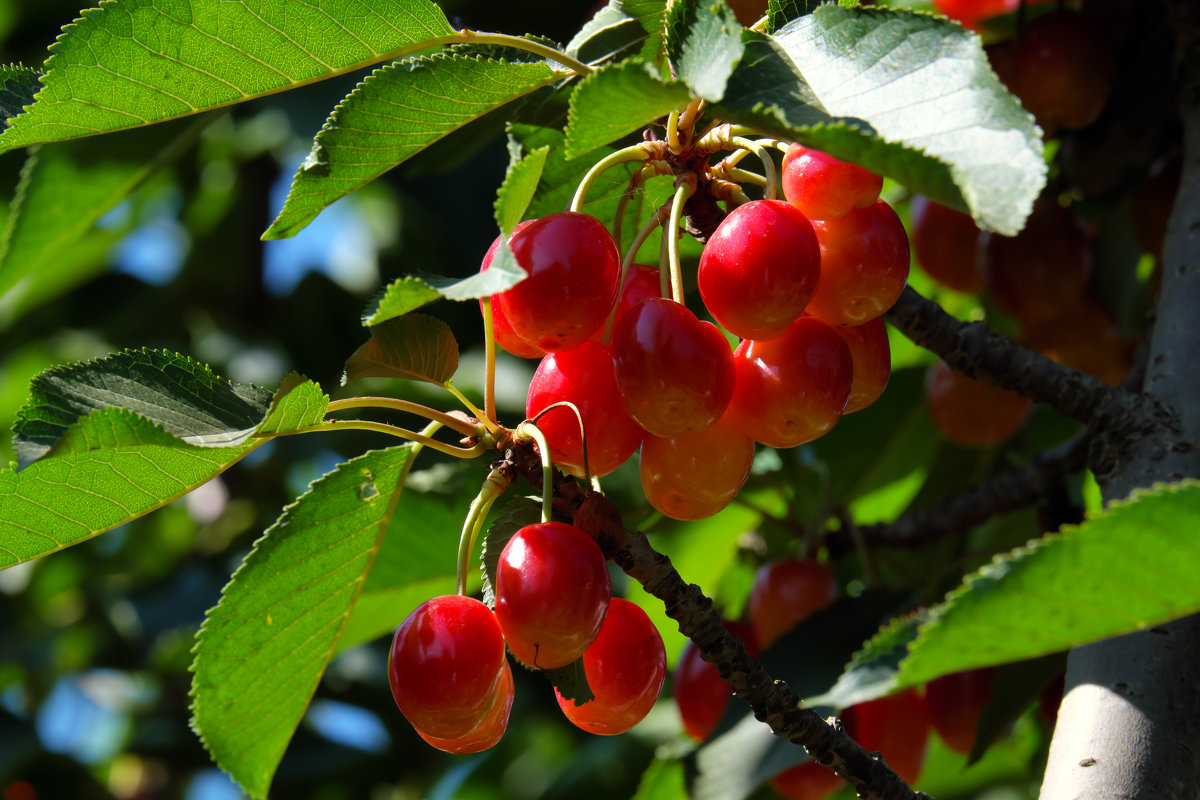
(502, 330)
(759, 269)
(699, 691)
(895, 726)
(787, 592)
(954, 703)
(824, 187)
(793, 389)
(748, 12)
(864, 265)
(971, 13)
(872, 359)
(1063, 70)
(674, 370)
(583, 376)
(552, 593)
(1041, 271)
(695, 476)
(490, 730)
(445, 666)
(970, 412)
(625, 668)
(573, 265)
(641, 283)
(945, 242)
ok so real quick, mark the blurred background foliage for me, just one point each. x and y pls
(95, 642)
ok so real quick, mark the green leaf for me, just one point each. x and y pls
(872, 670)
(781, 12)
(18, 85)
(129, 63)
(664, 779)
(616, 100)
(704, 43)
(108, 468)
(652, 14)
(413, 347)
(298, 403)
(571, 682)
(395, 113)
(263, 648)
(1130, 568)
(183, 396)
(906, 95)
(517, 190)
(413, 291)
(610, 33)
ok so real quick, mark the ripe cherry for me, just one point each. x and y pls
(502, 329)
(793, 389)
(824, 187)
(696, 475)
(573, 265)
(945, 242)
(641, 283)
(625, 669)
(1063, 69)
(971, 13)
(552, 593)
(954, 703)
(446, 665)
(759, 269)
(674, 370)
(699, 691)
(490, 730)
(872, 358)
(1041, 271)
(895, 726)
(971, 412)
(787, 592)
(864, 265)
(584, 376)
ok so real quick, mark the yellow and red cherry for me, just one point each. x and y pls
(696, 475)
(785, 593)
(871, 356)
(823, 187)
(489, 731)
(971, 412)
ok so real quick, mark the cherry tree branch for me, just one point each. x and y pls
(771, 701)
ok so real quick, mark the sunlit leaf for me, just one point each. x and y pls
(704, 43)
(520, 183)
(616, 100)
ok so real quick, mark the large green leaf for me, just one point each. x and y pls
(412, 347)
(907, 95)
(1135, 566)
(704, 42)
(616, 100)
(413, 291)
(129, 63)
(106, 469)
(608, 34)
(391, 116)
(263, 648)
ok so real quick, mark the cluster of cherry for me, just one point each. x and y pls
(553, 606)
(802, 283)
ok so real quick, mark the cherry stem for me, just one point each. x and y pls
(531, 430)
(489, 360)
(673, 133)
(492, 426)
(643, 151)
(493, 486)
(587, 470)
(450, 421)
(687, 121)
(685, 189)
(767, 162)
(391, 430)
(656, 219)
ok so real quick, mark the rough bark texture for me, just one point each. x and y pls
(1128, 727)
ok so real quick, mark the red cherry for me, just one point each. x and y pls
(1063, 69)
(824, 187)
(502, 329)
(490, 730)
(971, 13)
(759, 269)
(552, 593)
(573, 265)
(445, 666)
(946, 243)
(699, 691)
(895, 726)
(674, 371)
(872, 359)
(864, 265)
(954, 703)
(970, 412)
(1041, 271)
(785, 593)
(641, 283)
(625, 668)
(695, 476)
(793, 389)
(583, 376)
